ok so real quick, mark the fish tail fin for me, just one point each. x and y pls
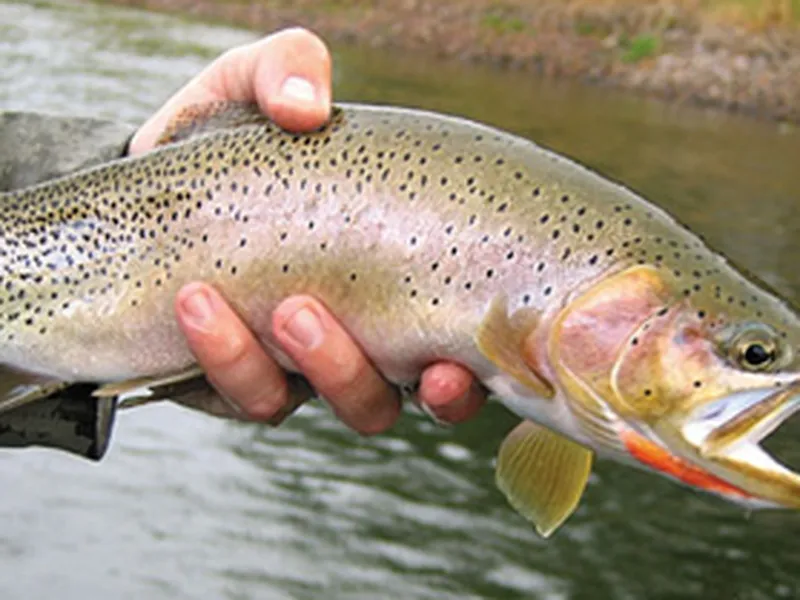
(65, 417)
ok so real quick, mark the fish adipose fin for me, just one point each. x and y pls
(501, 339)
(542, 474)
(198, 119)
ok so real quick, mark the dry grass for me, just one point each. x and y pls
(750, 13)
(743, 55)
(754, 14)
(758, 13)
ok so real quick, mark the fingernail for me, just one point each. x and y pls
(428, 412)
(297, 88)
(305, 328)
(197, 310)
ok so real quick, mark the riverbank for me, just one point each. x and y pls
(738, 55)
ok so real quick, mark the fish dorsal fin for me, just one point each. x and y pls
(542, 474)
(198, 119)
(501, 339)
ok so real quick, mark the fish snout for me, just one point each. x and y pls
(724, 437)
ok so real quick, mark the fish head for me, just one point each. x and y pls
(686, 386)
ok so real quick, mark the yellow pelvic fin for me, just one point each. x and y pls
(542, 474)
(501, 339)
(197, 119)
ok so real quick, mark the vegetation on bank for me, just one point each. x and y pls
(737, 54)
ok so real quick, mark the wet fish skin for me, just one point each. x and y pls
(430, 237)
(93, 260)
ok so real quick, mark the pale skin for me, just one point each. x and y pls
(289, 75)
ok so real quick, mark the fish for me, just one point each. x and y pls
(602, 322)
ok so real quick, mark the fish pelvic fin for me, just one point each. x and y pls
(542, 474)
(501, 339)
(198, 119)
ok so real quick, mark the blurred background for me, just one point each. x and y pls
(186, 506)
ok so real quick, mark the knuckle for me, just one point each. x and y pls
(230, 56)
(349, 378)
(299, 34)
(379, 424)
(262, 409)
(305, 42)
(361, 398)
(229, 351)
(261, 401)
(296, 32)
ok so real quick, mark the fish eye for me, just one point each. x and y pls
(755, 348)
(757, 356)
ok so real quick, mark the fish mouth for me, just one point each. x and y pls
(725, 436)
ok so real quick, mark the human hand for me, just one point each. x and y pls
(289, 75)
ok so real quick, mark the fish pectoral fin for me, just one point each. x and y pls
(30, 389)
(198, 119)
(501, 339)
(542, 474)
(149, 389)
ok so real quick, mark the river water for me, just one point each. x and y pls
(186, 506)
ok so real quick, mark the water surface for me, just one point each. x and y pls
(186, 506)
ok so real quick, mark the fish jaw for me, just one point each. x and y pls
(715, 447)
(723, 438)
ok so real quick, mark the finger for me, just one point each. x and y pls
(288, 74)
(228, 352)
(293, 80)
(450, 392)
(335, 365)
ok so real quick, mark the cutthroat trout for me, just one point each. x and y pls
(589, 312)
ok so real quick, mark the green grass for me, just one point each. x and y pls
(585, 28)
(640, 47)
(503, 23)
